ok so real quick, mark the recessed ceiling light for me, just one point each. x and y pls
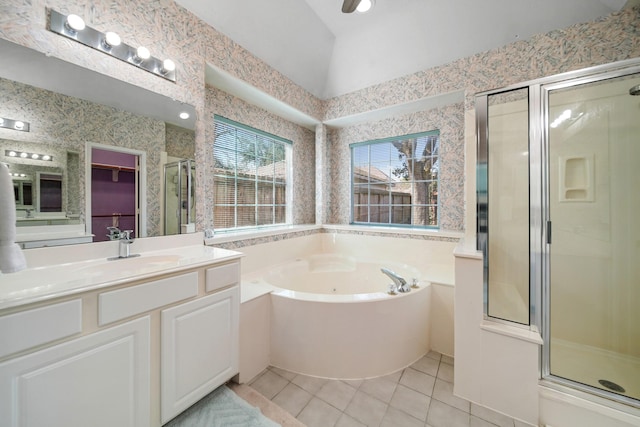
(365, 6)
(184, 115)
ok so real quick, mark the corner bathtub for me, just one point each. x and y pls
(332, 317)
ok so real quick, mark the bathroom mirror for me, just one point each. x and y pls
(68, 109)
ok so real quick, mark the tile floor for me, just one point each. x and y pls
(420, 395)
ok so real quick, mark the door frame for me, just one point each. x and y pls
(141, 190)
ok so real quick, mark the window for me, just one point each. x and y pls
(251, 172)
(395, 180)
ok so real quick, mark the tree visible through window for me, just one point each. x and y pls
(395, 180)
(250, 176)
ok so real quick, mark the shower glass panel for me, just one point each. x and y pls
(504, 175)
(594, 256)
(179, 197)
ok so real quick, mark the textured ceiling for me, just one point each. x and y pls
(330, 53)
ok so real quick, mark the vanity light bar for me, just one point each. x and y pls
(14, 124)
(30, 156)
(73, 27)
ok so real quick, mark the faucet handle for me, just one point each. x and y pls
(126, 235)
(114, 233)
(414, 283)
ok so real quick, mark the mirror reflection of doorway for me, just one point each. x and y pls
(114, 192)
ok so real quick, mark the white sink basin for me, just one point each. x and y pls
(132, 265)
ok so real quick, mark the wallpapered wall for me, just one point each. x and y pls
(180, 142)
(168, 30)
(67, 123)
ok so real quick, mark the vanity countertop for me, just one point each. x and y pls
(52, 281)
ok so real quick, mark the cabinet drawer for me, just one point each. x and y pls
(222, 276)
(21, 331)
(127, 302)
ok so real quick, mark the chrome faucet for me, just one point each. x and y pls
(124, 250)
(398, 281)
(114, 233)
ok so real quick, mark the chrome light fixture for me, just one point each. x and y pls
(26, 155)
(14, 124)
(73, 27)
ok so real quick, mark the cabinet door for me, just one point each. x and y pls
(97, 380)
(199, 349)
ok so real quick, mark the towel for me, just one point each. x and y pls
(11, 256)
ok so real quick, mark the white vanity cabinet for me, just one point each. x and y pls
(200, 341)
(133, 354)
(101, 379)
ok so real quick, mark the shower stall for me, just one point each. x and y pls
(558, 208)
(179, 197)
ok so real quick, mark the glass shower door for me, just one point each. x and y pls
(179, 197)
(594, 250)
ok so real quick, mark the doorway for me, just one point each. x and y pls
(114, 195)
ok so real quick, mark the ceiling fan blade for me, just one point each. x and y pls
(350, 5)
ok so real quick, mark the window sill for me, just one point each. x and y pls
(254, 234)
(397, 230)
(525, 334)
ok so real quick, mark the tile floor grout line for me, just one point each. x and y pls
(447, 404)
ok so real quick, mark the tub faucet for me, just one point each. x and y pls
(398, 281)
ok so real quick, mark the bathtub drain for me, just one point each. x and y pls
(612, 386)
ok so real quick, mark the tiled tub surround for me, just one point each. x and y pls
(335, 335)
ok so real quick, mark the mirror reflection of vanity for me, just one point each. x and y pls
(70, 111)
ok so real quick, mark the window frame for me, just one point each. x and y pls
(287, 147)
(411, 206)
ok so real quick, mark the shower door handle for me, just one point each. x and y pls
(548, 232)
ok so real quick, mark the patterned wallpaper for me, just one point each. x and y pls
(66, 124)
(180, 142)
(169, 30)
(610, 39)
(303, 140)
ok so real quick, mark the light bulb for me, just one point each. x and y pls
(184, 115)
(111, 39)
(365, 6)
(35, 156)
(168, 66)
(74, 23)
(1, 121)
(22, 175)
(46, 157)
(19, 125)
(23, 155)
(12, 154)
(142, 53)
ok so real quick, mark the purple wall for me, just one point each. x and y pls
(112, 201)
(113, 158)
